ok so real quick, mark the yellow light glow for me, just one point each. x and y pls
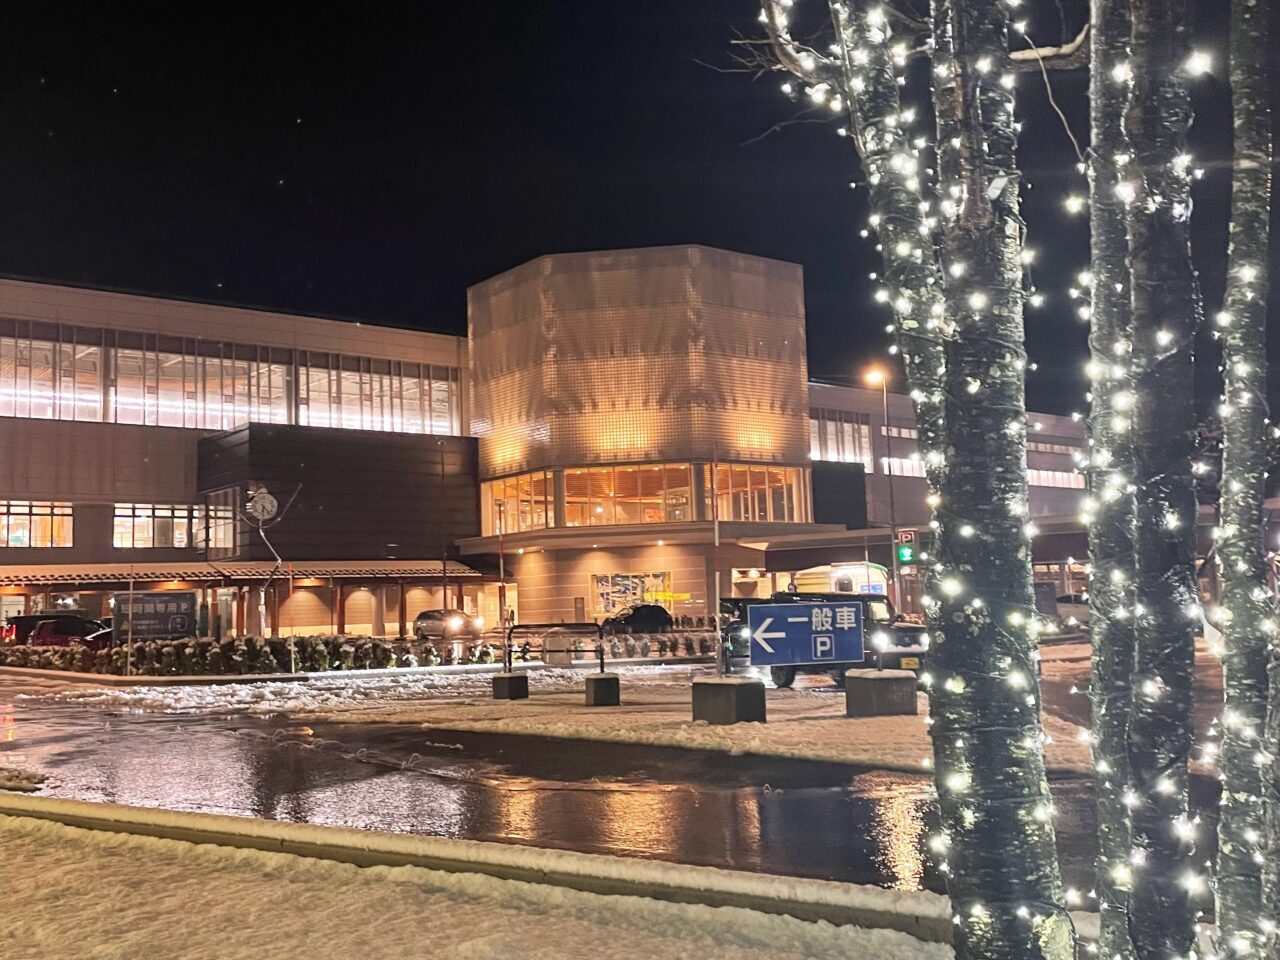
(875, 377)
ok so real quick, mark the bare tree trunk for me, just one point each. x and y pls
(1003, 876)
(1249, 614)
(1109, 469)
(1164, 323)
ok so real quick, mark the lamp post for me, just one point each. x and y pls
(444, 540)
(877, 377)
(502, 564)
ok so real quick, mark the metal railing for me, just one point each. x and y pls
(574, 629)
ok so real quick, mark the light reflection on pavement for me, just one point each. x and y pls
(789, 817)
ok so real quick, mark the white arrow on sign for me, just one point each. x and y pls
(763, 638)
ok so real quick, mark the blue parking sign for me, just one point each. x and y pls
(784, 634)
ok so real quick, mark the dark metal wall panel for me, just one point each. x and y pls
(361, 495)
(840, 494)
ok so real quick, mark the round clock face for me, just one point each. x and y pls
(263, 506)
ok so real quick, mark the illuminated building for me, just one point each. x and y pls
(605, 414)
(625, 401)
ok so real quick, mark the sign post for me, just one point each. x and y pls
(791, 634)
(159, 615)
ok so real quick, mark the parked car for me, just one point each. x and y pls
(1073, 609)
(890, 641)
(65, 631)
(18, 629)
(446, 625)
(640, 618)
(733, 621)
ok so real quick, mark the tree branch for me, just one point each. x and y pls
(805, 62)
(1067, 56)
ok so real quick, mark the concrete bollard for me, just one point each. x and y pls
(721, 700)
(603, 690)
(879, 693)
(511, 686)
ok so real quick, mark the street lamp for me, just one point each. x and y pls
(878, 377)
(502, 564)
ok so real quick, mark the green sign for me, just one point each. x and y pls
(906, 554)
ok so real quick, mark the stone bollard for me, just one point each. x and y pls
(603, 690)
(879, 693)
(511, 686)
(721, 700)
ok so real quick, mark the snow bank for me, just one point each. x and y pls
(383, 910)
(331, 691)
(21, 781)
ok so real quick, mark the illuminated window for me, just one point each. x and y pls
(51, 380)
(593, 496)
(526, 502)
(904, 433)
(1040, 446)
(35, 523)
(363, 394)
(152, 525)
(215, 529)
(61, 372)
(1056, 478)
(759, 494)
(904, 466)
(840, 436)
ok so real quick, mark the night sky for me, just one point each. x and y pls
(374, 166)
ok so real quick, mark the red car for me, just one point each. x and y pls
(65, 631)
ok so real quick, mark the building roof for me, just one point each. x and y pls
(85, 573)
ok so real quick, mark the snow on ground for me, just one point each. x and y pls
(807, 723)
(804, 723)
(107, 896)
(332, 691)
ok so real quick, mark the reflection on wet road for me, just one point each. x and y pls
(788, 817)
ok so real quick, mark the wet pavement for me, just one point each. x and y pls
(798, 818)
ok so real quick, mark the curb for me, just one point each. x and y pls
(925, 916)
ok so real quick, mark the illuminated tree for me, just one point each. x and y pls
(1005, 886)
(997, 832)
(861, 78)
(1249, 618)
(1164, 296)
(1108, 468)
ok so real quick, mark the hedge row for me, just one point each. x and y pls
(238, 656)
(249, 655)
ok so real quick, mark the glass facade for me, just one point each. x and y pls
(58, 372)
(652, 493)
(151, 525)
(903, 466)
(526, 502)
(216, 527)
(759, 494)
(841, 436)
(35, 523)
(642, 494)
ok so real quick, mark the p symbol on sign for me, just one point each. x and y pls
(824, 647)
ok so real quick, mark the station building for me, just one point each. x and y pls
(615, 426)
